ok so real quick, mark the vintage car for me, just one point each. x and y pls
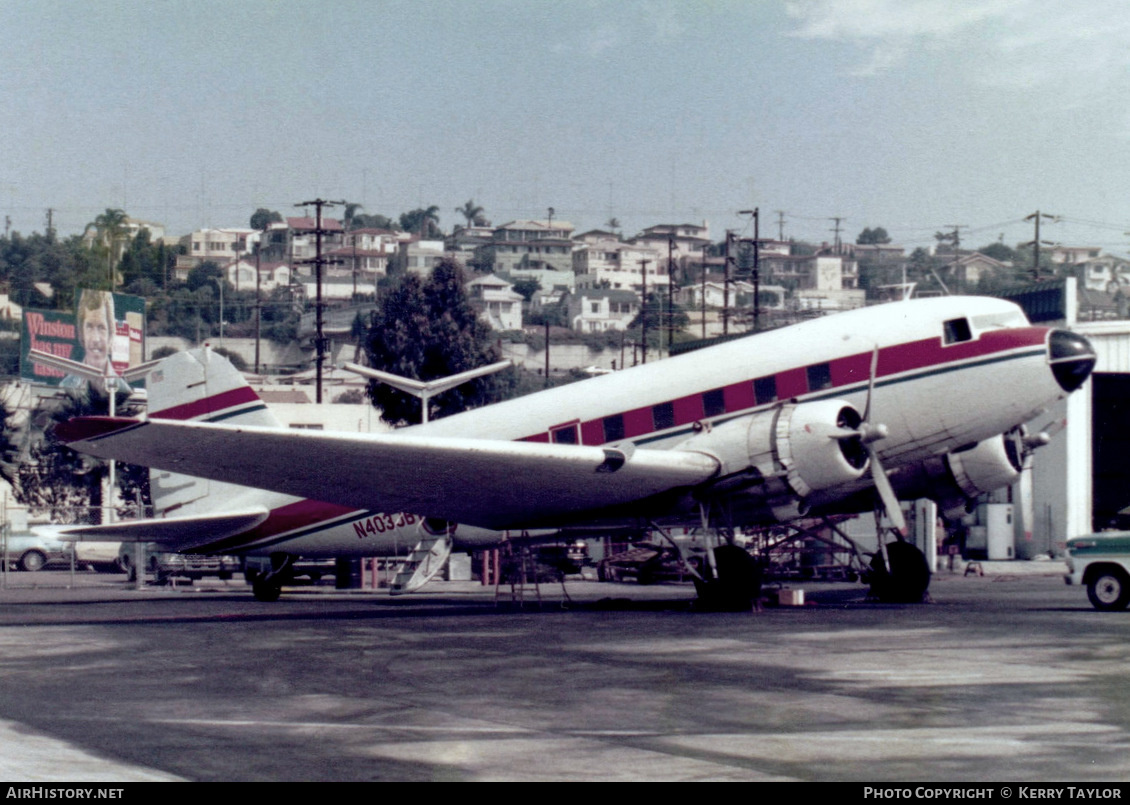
(1101, 561)
(33, 552)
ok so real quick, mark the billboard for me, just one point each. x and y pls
(106, 328)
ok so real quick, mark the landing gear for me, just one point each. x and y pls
(735, 583)
(267, 586)
(907, 579)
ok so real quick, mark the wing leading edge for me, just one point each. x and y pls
(489, 483)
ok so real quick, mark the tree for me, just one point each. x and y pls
(473, 213)
(660, 319)
(422, 222)
(56, 479)
(425, 331)
(364, 221)
(527, 287)
(262, 219)
(873, 237)
(111, 234)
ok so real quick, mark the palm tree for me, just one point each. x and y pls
(422, 222)
(111, 235)
(350, 213)
(473, 213)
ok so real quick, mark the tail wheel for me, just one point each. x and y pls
(1109, 591)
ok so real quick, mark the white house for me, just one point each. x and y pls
(619, 266)
(497, 302)
(595, 310)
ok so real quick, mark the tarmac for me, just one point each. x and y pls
(33, 753)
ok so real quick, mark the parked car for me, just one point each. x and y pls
(101, 556)
(166, 565)
(32, 552)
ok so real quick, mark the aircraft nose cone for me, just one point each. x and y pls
(1071, 357)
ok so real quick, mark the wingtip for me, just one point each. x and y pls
(86, 428)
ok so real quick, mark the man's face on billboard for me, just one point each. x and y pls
(96, 338)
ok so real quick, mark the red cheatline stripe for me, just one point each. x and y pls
(291, 517)
(208, 405)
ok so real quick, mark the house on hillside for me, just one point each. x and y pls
(496, 301)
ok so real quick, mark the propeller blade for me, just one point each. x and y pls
(871, 383)
(886, 492)
(1025, 510)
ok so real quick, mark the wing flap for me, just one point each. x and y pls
(489, 483)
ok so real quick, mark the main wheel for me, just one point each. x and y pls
(1109, 591)
(32, 561)
(908, 578)
(267, 590)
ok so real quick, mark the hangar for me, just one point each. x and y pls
(1081, 480)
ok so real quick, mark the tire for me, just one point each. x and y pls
(33, 561)
(909, 578)
(1109, 591)
(266, 590)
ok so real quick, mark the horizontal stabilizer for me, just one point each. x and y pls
(176, 533)
(490, 483)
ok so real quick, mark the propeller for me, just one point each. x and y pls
(869, 433)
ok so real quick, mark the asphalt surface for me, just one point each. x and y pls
(1006, 676)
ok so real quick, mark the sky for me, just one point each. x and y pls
(913, 115)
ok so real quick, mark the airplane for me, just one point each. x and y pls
(840, 414)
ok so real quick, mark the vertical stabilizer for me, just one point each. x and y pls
(201, 386)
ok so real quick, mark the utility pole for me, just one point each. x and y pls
(755, 215)
(643, 308)
(730, 258)
(702, 299)
(670, 294)
(1036, 216)
(836, 230)
(956, 238)
(318, 262)
(781, 225)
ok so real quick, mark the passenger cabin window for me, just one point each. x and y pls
(957, 331)
(565, 435)
(663, 416)
(714, 403)
(614, 428)
(819, 377)
(765, 389)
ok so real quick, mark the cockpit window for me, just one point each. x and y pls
(1012, 317)
(957, 331)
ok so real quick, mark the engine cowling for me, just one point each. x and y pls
(790, 451)
(955, 480)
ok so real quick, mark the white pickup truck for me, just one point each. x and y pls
(1101, 561)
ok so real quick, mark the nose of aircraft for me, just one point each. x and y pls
(1071, 357)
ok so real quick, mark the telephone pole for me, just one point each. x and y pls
(1036, 216)
(643, 309)
(836, 230)
(318, 262)
(755, 216)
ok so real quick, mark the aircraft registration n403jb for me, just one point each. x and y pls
(923, 398)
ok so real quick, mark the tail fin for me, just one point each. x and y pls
(202, 386)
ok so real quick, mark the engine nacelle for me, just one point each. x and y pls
(956, 479)
(790, 451)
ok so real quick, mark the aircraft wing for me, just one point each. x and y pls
(490, 483)
(178, 533)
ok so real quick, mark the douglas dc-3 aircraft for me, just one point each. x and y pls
(923, 398)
